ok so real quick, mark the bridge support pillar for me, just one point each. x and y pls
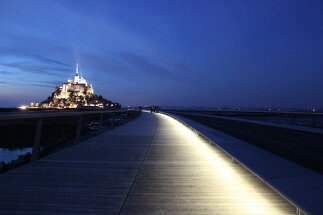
(299, 212)
(36, 144)
(113, 119)
(101, 120)
(78, 129)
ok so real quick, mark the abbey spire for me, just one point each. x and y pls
(77, 78)
(77, 70)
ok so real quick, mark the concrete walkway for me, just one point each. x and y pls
(152, 165)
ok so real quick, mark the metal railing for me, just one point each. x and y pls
(307, 119)
(41, 117)
(299, 145)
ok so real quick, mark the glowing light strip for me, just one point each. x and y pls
(244, 192)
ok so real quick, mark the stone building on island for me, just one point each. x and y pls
(77, 93)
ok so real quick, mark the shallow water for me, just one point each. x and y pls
(7, 155)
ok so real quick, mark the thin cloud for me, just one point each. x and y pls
(50, 61)
(54, 83)
(103, 65)
(144, 64)
(21, 52)
(44, 70)
(42, 85)
(6, 73)
(181, 67)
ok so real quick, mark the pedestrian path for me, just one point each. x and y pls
(152, 165)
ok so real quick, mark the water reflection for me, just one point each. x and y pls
(8, 155)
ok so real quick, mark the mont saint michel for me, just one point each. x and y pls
(77, 93)
(222, 109)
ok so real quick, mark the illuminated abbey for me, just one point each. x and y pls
(77, 87)
(75, 94)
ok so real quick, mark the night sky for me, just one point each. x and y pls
(175, 53)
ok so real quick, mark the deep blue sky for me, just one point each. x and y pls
(189, 53)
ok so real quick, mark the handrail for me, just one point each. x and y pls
(245, 112)
(263, 123)
(47, 115)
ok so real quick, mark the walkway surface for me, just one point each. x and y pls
(152, 165)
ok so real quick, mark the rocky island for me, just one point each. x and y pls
(77, 93)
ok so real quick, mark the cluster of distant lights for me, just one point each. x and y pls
(268, 109)
(23, 107)
(309, 109)
(34, 106)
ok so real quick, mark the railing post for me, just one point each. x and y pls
(292, 121)
(113, 119)
(314, 121)
(101, 120)
(78, 129)
(36, 144)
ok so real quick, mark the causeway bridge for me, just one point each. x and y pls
(161, 164)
